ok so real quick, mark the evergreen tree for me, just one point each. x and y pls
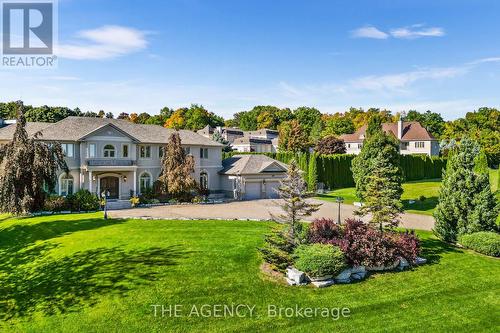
(293, 192)
(177, 168)
(26, 164)
(374, 125)
(466, 203)
(217, 137)
(312, 182)
(378, 177)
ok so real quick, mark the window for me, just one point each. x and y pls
(187, 150)
(68, 149)
(161, 151)
(145, 151)
(360, 145)
(66, 185)
(125, 151)
(91, 150)
(145, 181)
(420, 144)
(204, 180)
(348, 145)
(109, 151)
(203, 152)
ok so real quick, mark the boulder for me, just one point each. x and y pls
(290, 282)
(319, 278)
(403, 263)
(295, 275)
(344, 275)
(348, 280)
(383, 268)
(420, 261)
(358, 269)
(324, 283)
(358, 276)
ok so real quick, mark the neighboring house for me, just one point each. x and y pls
(414, 139)
(260, 141)
(119, 156)
(252, 176)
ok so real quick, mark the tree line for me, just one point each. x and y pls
(300, 128)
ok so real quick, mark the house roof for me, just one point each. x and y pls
(77, 128)
(251, 140)
(251, 164)
(412, 130)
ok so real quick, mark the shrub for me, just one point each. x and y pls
(325, 231)
(422, 198)
(83, 200)
(55, 203)
(407, 245)
(134, 201)
(319, 259)
(485, 242)
(330, 145)
(277, 249)
(365, 246)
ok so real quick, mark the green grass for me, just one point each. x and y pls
(412, 191)
(79, 273)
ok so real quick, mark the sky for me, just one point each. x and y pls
(139, 56)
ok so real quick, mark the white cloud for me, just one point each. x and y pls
(485, 60)
(412, 33)
(105, 42)
(369, 32)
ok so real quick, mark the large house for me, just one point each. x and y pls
(413, 138)
(124, 158)
(259, 141)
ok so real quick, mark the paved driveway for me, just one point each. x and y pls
(256, 209)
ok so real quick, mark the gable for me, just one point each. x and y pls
(273, 167)
(108, 132)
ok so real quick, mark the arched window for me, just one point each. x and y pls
(109, 151)
(204, 180)
(145, 181)
(66, 185)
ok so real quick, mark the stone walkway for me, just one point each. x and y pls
(257, 210)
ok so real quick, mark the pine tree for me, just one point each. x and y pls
(293, 191)
(378, 177)
(26, 165)
(466, 203)
(177, 168)
(383, 198)
(217, 137)
(312, 182)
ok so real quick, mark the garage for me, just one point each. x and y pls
(252, 191)
(250, 177)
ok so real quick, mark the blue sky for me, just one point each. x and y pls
(136, 56)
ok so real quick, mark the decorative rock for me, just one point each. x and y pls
(420, 261)
(403, 263)
(383, 268)
(290, 282)
(344, 275)
(295, 275)
(358, 269)
(320, 278)
(348, 280)
(358, 204)
(358, 276)
(324, 283)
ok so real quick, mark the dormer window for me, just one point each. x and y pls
(109, 151)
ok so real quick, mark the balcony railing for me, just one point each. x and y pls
(110, 162)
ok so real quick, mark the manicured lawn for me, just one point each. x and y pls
(412, 191)
(79, 273)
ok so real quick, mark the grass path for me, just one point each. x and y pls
(79, 273)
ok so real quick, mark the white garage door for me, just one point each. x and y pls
(271, 190)
(252, 191)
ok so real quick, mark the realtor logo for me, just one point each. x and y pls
(28, 28)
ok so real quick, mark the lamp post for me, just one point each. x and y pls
(339, 200)
(103, 195)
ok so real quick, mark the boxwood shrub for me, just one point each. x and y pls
(319, 259)
(485, 242)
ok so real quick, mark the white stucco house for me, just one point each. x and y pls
(124, 158)
(413, 137)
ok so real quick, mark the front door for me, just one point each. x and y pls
(110, 185)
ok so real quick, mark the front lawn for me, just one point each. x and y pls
(79, 273)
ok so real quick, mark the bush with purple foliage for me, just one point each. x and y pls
(325, 231)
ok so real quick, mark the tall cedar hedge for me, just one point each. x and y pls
(335, 170)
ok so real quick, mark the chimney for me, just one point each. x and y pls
(400, 125)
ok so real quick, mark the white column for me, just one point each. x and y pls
(135, 182)
(90, 182)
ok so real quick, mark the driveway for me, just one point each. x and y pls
(256, 210)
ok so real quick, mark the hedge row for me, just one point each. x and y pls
(335, 170)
